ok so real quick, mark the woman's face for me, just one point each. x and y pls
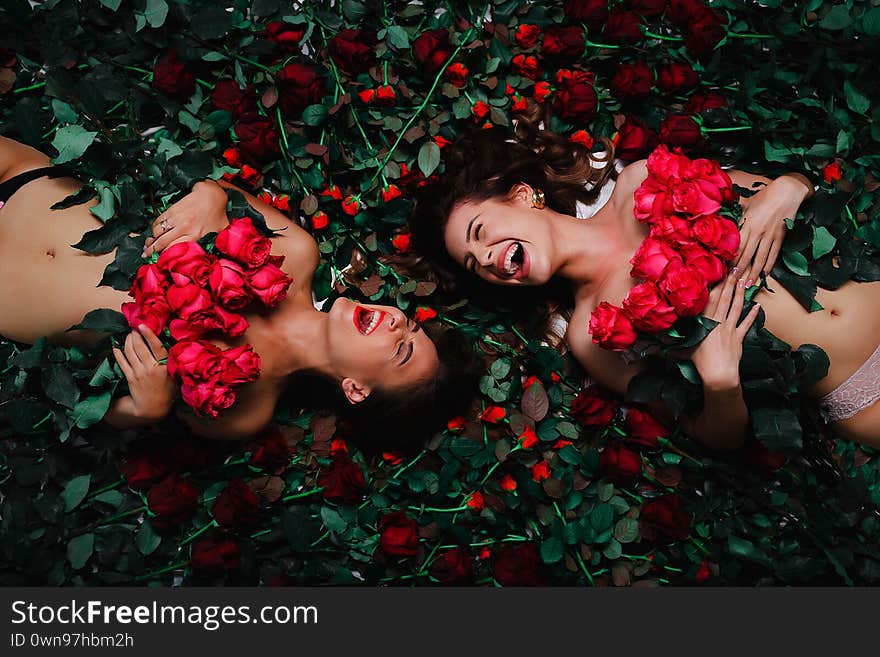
(377, 346)
(506, 242)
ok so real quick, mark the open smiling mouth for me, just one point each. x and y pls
(513, 259)
(366, 320)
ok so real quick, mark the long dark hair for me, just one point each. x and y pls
(484, 164)
(401, 419)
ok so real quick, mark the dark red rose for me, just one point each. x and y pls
(663, 519)
(527, 66)
(575, 98)
(258, 138)
(398, 534)
(271, 451)
(594, 406)
(343, 481)
(241, 241)
(591, 12)
(186, 262)
(143, 467)
(453, 567)
(354, 51)
(285, 35)
(229, 285)
(432, 49)
(299, 85)
(676, 78)
(610, 328)
(647, 309)
(240, 365)
(761, 458)
(563, 41)
(517, 565)
(647, 8)
(643, 430)
(215, 555)
(227, 95)
(632, 81)
(683, 12)
(527, 35)
(171, 77)
(703, 35)
(687, 290)
(173, 501)
(619, 463)
(623, 27)
(680, 130)
(704, 100)
(237, 506)
(635, 139)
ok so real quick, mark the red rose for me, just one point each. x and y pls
(153, 311)
(632, 81)
(709, 174)
(667, 166)
(236, 507)
(299, 85)
(831, 172)
(594, 406)
(227, 95)
(540, 471)
(704, 100)
(232, 157)
(643, 429)
(652, 259)
(675, 78)
(623, 27)
(228, 283)
(619, 463)
(171, 77)
(697, 198)
(207, 398)
(480, 110)
(343, 481)
(528, 438)
(673, 228)
(664, 519)
(351, 205)
(197, 314)
(195, 361)
(398, 534)
(493, 414)
(173, 501)
(240, 365)
(710, 266)
(687, 290)
(719, 234)
(680, 130)
(269, 284)
(401, 243)
(453, 567)
(456, 424)
(258, 138)
(683, 12)
(542, 90)
(215, 555)
(285, 35)
(647, 309)
(527, 66)
(517, 565)
(592, 12)
(241, 241)
(423, 314)
(702, 36)
(432, 49)
(143, 467)
(647, 8)
(457, 74)
(391, 193)
(475, 501)
(575, 98)
(581, 137)
(320, 220)
(367, 96)
(271, 451)
(508, 483)
(610, 327)
(186, 262)
(634, 139)
(354, 51)
(149, 281)
(563, 41)
(527, 35)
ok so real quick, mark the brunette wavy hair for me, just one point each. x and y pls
(484, 164)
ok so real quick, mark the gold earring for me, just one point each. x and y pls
(538, 199)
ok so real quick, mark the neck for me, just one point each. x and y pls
(588, 251)
(302, 340)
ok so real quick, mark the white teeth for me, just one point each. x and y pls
(509, 267)
(374, 321)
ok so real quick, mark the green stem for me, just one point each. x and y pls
(730, 129)
(195, 535)
(297, 496)
(106, 488)
(120, 516)
(432, 509)
(737, 35)
(161, 571)
(662, 37)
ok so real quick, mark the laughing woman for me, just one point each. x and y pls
(509, 212)
(376, 359)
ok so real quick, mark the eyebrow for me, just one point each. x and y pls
(468, 234)
(416, 328)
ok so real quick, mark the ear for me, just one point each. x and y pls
(354, 391)
(521, 192)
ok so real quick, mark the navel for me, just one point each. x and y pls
(51, 253)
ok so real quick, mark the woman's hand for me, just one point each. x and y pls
(717, 356)
(763, 225)
(151, 387)
(200, 212)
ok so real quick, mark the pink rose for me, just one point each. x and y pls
(665, 165)
(186, 262)
(673, 229)
(269, 284)
(228, 282)
(652, 258)
(710, 266)
(153, 311)
(696, 198)
(687, 290)
(241, 241)
(652, 201)
(610, 327)
(648, 310)
(241, 365)
(719, 234)
(149, 281)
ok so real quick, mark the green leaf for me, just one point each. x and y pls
(500, 368)
(112, 5)
(71, 142)
(85, 193)
(745, 549)
(796, 262)
(429, 158)
(856, 101)
(315, 114)
(79, 549)
(626, 530)
(398, 37)
(59, 385)
(90, 410)
(552, 550)
(823, 241)
(836, 19)
(105, 208)
(156, 12)
(75, 492)
(688, 370)
(332, 520)
(147, 540)
(869, 22)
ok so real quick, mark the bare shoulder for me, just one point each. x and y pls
(633, 175)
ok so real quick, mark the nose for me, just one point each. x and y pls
(485, 259)
(397, 320)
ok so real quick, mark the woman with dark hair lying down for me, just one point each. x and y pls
(510, 212)
(374, 355)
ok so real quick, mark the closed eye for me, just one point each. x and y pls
(408, 354)
(477, 232)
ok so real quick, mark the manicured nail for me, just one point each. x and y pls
(740, 283)
(734, 272)
(749, 282)
(142, 327)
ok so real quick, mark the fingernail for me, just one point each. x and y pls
(749, 282)
(142, 327)
(734, 272)
(740, 283)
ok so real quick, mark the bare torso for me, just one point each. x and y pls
(847, 327)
